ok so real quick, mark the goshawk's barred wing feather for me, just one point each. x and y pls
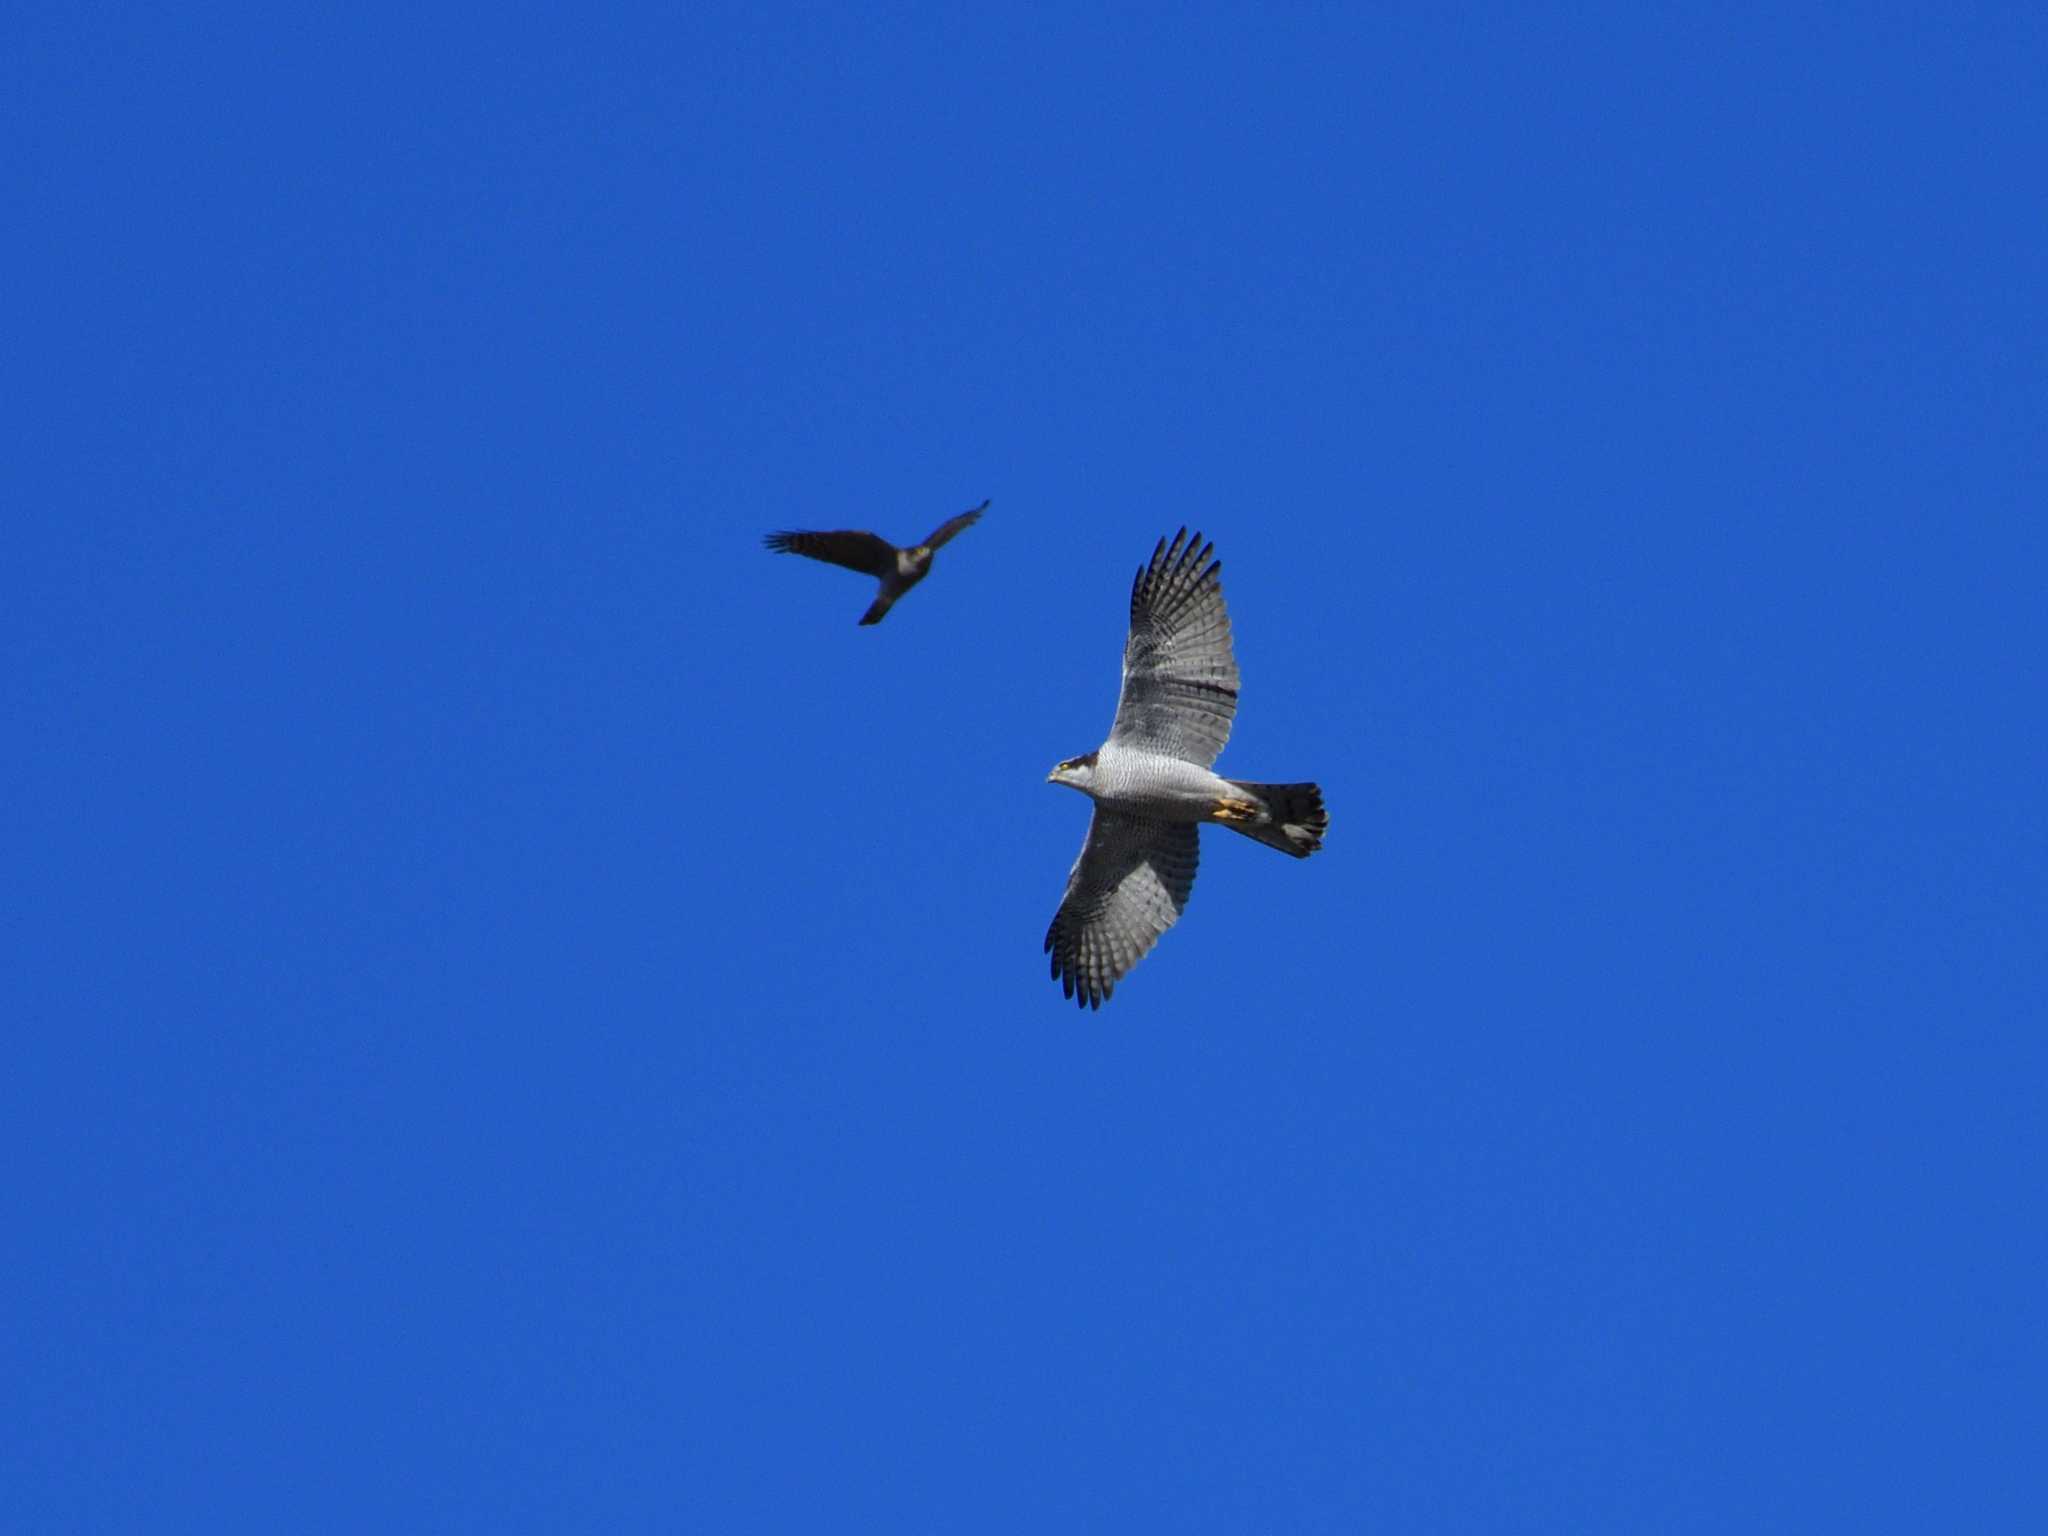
(1127, 888)
(857, 551)
(1180, 678)
(953, 525)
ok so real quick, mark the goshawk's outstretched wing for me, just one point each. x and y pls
(1127, 888)
(953, 525)
(1180, 678)
(842, 546)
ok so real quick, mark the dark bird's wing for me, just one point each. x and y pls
(953, 525)
(864, 552)
(1180, 678)
(1127, 888)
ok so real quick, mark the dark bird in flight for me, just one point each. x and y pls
(898, 569)
(1152, 783)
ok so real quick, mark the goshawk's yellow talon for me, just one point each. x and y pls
(1236, 810)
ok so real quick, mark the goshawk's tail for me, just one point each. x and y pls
(1294, 819)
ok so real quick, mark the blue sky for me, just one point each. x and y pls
(525, 1018)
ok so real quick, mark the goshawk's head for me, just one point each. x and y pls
(1075, 773)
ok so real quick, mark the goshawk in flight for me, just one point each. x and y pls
(1151, 782)
(899, 569)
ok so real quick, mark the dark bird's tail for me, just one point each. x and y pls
(1294, 820)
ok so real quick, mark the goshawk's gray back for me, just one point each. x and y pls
(897, 569)
(1151, 780)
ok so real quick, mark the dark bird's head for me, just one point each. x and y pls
(1075, 773)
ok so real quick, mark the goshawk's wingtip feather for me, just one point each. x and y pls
(1074, 969)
